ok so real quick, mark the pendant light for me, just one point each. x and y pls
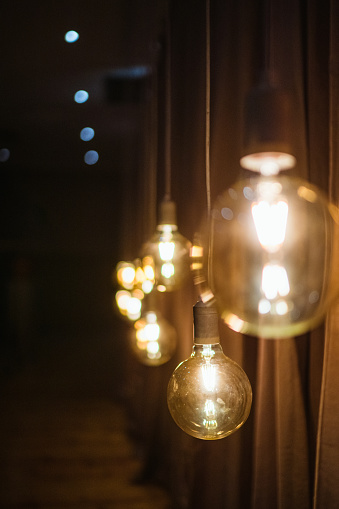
(153, 339)
(168, 249)
(274, 237)
(209, 396)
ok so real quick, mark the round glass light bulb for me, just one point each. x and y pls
(168, 251)
(153, 339)
(274, 255)
(209, 396)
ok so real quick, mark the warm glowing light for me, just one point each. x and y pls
(153, 339)
(149, 272)
(133, 308)
(167, 270)
(166, 250)
(209, 376)
(125, 274)
(281, 307)
(273, 262)
(268, 163)
(270, 221)
(139, 275)
(122, 297)
(81, 96)
(147, 286)
(274, 281)
(71, 36)
(264, 306)
(152, 348)
(152, 332)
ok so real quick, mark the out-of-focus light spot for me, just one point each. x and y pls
(281, 307)
(161, 288)
(147, 286)
(138, 294)
(122, 298)
(87, 134)
(91, 157)
(4, 155)
(264, 306)
(248, 193)
(71, 36)
(307, 194)
(227, 213)
(80, 96)
(167, 270)
(137, 71)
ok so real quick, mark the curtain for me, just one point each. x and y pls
(286, 454)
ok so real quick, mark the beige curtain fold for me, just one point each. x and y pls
(327, 462)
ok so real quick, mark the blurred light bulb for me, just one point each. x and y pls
(153, 339)
(126, 274)
(274, 257)
(209, 396)
(167, 253)
(122, 297)
(133, 308)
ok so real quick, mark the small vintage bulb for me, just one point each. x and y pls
(209, 396)
(167, 252)
(153, 339)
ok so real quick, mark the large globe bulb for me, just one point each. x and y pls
(274, 256)
(209, 396)
(153, 339)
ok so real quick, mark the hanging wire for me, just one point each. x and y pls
(208, 109)
(208, 135)
(269, 46)
(154, 149)
(168, 127)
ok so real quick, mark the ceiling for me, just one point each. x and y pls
(40, 122)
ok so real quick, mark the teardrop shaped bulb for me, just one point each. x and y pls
(274, 256)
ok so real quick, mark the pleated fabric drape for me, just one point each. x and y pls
(287, 453)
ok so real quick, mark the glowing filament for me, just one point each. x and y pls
(151, 332)
(274, 281)
(209, 409)
(270, 221)
(208, 376)
(152, 348)
(166, 251)
(167, 270)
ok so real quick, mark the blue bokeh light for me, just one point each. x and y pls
(4, 155)
(71, 36)
(87, 134)
(91, 157)
(81, 96)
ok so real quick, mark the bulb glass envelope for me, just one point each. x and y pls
(209, 396)
(153, 339)
(167, 253)
(274, 256)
